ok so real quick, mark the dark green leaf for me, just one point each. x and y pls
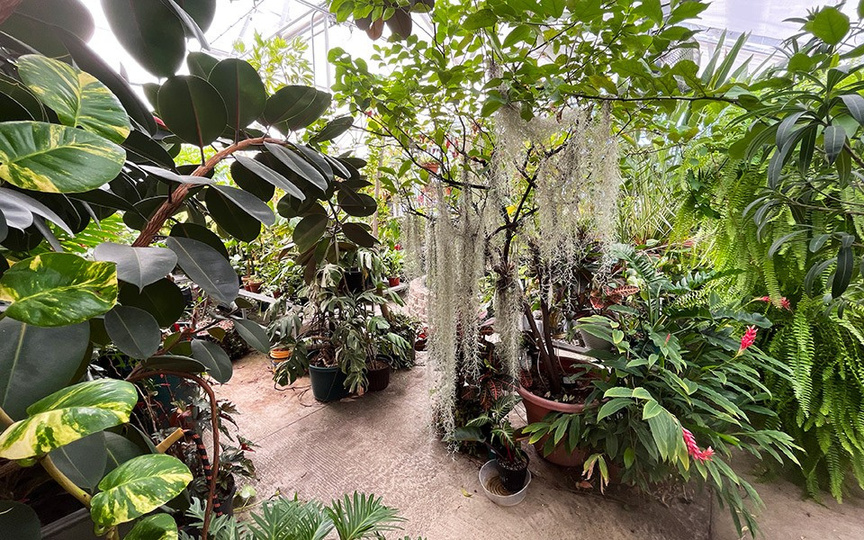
(162, 299)
(231, 217)
(83, 461)
(241, 89)
(357, 234)
(480, 19)
(172, 362)
(843, 272)
(249, 203)
(206, 267)
(356, 204)
(200, 233)
(119, 450)
(251, 182)
(138, 266)
(855, 104)
(37, 361)
(214, 358)
(150, 32)
(298, 165)
(19, 521)
(333, 129)
(835, 138)
(269, 175)
(253, 333)
(134, 331)
(201, 64)
(192, 109)
(309, 230)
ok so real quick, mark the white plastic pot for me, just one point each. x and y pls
(489, 473)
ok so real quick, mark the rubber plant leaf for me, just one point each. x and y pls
(67, 416)
(139, 266)
(78, 98)
(138, 487)
(57, 289)
(57, 159)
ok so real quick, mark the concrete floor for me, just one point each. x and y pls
(381, 444)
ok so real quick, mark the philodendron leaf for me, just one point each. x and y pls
(139, 266)
(56, 289)
(217, 361)
(67, 416)
(206, 267)
(36, 361)
(56, 159)
(138, 487)
(78, 98)
(134, 331)
(155, 527)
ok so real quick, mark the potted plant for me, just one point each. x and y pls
(393, 262)
(396, 342)
(493, 429)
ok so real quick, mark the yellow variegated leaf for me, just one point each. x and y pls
(155, 527)
(68, 415)
(137, 487)
(78, 98)
(56, 159)
(57, 289)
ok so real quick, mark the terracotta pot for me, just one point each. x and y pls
(393, 281)
(536, 408)
(253, 286)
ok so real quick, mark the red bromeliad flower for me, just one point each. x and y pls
(747, 339)
(693, 449)
(784, 302)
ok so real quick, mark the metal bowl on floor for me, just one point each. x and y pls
(494, 489)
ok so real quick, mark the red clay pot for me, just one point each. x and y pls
(393, 281)
(536, 408)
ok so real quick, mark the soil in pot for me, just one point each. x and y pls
(378, 374)
(328, 383)
(513, 474)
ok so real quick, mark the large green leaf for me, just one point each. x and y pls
(56, 289)
(269, 175)
(150, 32)
(172, 362)
(71, 15)
(287, 102)
(232, 217)
(36, 361)
(118, 450)
(334, 128)
(83, 461)
(251, 182)
(201, 11)
(78, 98)
(192, 109)
(211, 355)
(162, 299)
(356, 204)
(829, 24)
(68, 415)
(247, 202)
(309, 230)
(253, 333)
(200, 233)
(241, 89)
(134, 331)
(206, 267)
(138, 266)
(359, 235)
(19, 521)
(155, 527)
(138, 487)
(298, 165)
(57, 159)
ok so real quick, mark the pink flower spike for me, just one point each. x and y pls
(693, 449)
(785, 304)
(747, 339)
(765, 299)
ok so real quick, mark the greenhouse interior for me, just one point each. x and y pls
(431, 269)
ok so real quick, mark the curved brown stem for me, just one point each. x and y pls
(169, 207)
(214, 421)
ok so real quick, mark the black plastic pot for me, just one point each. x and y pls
(379, 378)
(513, 475)
(76, 526)
(328, 383)
(223, 503)
(354, 281)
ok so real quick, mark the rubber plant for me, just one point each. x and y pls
(77, 146)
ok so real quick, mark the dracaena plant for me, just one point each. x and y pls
(681, 389)
(79, 146)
